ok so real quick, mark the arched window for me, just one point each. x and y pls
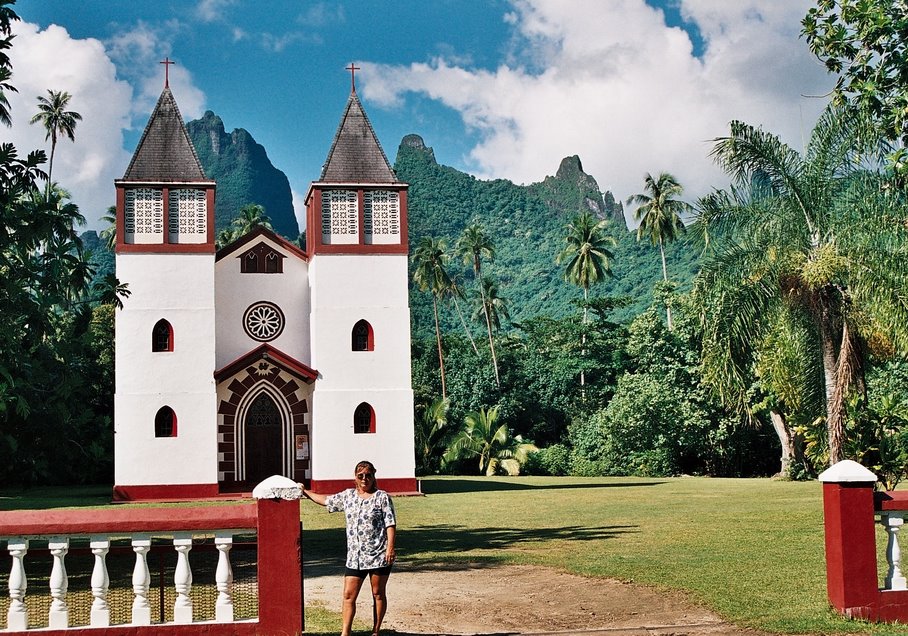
(165, 422)
(362, 337)
(364, 419)
(162, 336)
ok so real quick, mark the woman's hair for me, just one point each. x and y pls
(364, 464)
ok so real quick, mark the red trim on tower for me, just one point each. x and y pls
(164, 492)
(392, 485)
(166, 248)
(313, 199)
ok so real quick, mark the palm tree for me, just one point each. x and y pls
(472, 245)
(588, 259)
(5, 75)
(57, 121)
(491, 443)
(491, 304)
(430, 275)
(817, 240)
(430, 430)
(109, 233)
(252, 215)
(454, 292)
(660, 216)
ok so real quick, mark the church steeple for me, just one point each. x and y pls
(165, 203)
(357, 206)
(165, 152)
(355, 155)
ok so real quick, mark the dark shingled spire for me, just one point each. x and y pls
(165, 152)
(356, 156)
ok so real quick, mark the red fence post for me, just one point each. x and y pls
(279, 566)
(848, 512)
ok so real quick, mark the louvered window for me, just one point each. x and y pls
(340, 217)
(187, 216)
(381, 216)
(144, 221)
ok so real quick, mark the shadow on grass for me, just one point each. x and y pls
(45, 497)
(450, 486)
(324, 550)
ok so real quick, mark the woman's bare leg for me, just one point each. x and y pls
(352, 584)
(379, 600)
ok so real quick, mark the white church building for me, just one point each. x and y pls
(260, 358)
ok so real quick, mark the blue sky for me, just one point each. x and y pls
(499, 88)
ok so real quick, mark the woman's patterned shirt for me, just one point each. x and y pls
(367, 539)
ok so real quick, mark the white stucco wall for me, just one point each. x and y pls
(180, 289)
(235, 292)
(346, 289)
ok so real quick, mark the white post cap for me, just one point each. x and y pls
(277, 487)
(847, 471)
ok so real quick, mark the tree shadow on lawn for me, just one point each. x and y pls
(450, 486)
(45, 497)
(323, 550)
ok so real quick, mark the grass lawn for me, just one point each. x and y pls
(750, 549)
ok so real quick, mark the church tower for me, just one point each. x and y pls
(165, 409)
(356, 238)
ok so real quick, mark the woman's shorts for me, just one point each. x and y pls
(361, 574)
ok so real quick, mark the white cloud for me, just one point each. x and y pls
(609, 81)
(109, 105)
(51, 59)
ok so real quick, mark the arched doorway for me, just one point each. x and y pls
(263, 440)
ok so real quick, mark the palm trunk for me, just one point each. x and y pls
(668, 309)
(485, 310)
(786, 439)
(464, 325)
(441, 358)
(847, 368)
(834, 420)
(50, 167)
(583, 347)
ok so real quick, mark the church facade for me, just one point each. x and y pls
(260, 358)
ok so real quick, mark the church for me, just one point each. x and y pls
(260, 358)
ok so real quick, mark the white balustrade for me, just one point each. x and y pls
(100, 581)
(141, 581)
(17, 615)
(182, 579)
(895, 580)
(58, 618)
(223, 579)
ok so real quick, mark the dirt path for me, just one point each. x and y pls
(522, 600)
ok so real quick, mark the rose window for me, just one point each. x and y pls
(263, 321)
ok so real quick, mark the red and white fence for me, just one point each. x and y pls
(851, 509)
(274, 522)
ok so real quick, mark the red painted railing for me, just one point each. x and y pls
(850, 509)
(276, 523)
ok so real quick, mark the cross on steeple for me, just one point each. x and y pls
(167, 62)
(352, 70)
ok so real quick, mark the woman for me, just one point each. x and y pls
(371, 525)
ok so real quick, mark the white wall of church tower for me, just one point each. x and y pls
(178, 288)
(346, 288)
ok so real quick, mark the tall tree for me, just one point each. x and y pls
(659, 215)
(863, 41)
(588, 258)
(430, 274)
(252, 215)
(57, 121)
(7, 17)
(472, 246)
(493, 306)
(824, 236)
(430, 432)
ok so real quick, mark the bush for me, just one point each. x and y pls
(554, 460)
